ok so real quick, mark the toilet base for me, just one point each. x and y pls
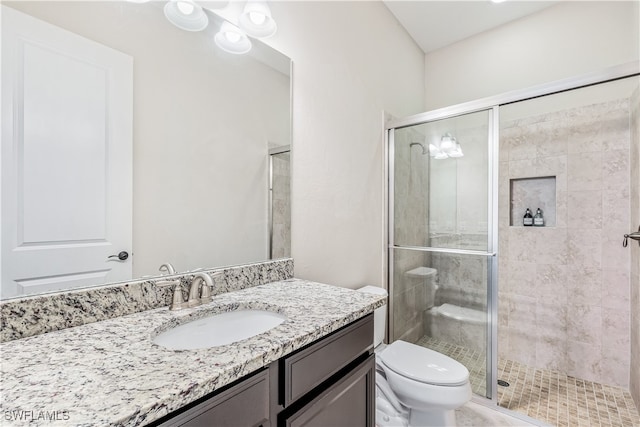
(388, 416)
(443, 418)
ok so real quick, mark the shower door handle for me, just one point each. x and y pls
(635, 236)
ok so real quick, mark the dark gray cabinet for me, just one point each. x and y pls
(245, 404)
(347, 403)
(315, 363)
(330, 382)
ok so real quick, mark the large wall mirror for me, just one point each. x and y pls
(128, 143)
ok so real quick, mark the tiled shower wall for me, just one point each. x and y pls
(411, 187)
(564, 290)
(281, 208)
(635, 248)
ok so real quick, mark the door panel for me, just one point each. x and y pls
(442, 251)
(66, 161)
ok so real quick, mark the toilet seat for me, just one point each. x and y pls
(423, 365)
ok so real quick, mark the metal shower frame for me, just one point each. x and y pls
(492, 105)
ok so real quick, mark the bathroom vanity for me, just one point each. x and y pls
(316, 368)
(328, 382)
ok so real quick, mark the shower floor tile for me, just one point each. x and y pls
(548, 396)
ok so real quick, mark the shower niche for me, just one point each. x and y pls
(533, 193)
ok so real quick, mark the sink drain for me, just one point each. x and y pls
(503, 383)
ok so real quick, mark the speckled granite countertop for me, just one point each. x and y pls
(110, 372)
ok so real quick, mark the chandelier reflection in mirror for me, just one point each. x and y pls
(255, 21)
(447, 147)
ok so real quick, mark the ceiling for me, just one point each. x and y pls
(436, 24)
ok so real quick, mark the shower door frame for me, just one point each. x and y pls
(492, 235)
(492, 104)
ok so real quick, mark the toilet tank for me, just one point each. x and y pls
(379, 314)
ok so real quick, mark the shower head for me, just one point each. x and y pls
(424, 149)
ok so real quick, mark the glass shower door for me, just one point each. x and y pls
(441, 256)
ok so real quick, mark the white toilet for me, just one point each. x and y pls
(415, 386)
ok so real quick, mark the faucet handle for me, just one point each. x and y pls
(205, 294)
(177, 302)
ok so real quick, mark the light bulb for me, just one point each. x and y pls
(185, 7)
(447, 143)
(232, 36)
(457, 151)
(257, 18)
(186, 15)
(231, 39)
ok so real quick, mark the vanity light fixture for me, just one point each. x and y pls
(447, 147)
(232, 39)
(256, 19)
(186, 15)
(457, 150)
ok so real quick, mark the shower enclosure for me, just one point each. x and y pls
(442, 245)
(530, 306)
(279, 202)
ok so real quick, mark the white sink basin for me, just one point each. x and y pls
(219, 329)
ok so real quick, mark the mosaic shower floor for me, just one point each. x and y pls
(548, 396)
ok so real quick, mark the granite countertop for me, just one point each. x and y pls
(110, 372)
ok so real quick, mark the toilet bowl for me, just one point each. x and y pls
(415, 386)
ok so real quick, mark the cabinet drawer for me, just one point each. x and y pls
(309, 367)
(246, 404)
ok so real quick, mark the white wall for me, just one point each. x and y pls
(565, 40)
(351, 61)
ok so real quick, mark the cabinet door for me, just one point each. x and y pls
(350, 402)
(308, 368)
(244, 405)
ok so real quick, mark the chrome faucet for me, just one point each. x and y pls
(199, 296)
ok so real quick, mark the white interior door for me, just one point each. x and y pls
(66, 169)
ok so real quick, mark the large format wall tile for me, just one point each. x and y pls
(584, 209)
(567, 286)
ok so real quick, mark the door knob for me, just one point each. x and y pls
(122, 256)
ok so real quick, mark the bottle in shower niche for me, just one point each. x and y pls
(538, 219)
(528, 218)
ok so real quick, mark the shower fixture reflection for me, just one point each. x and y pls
(424, 149)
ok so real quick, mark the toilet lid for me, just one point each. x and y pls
(423, 365)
